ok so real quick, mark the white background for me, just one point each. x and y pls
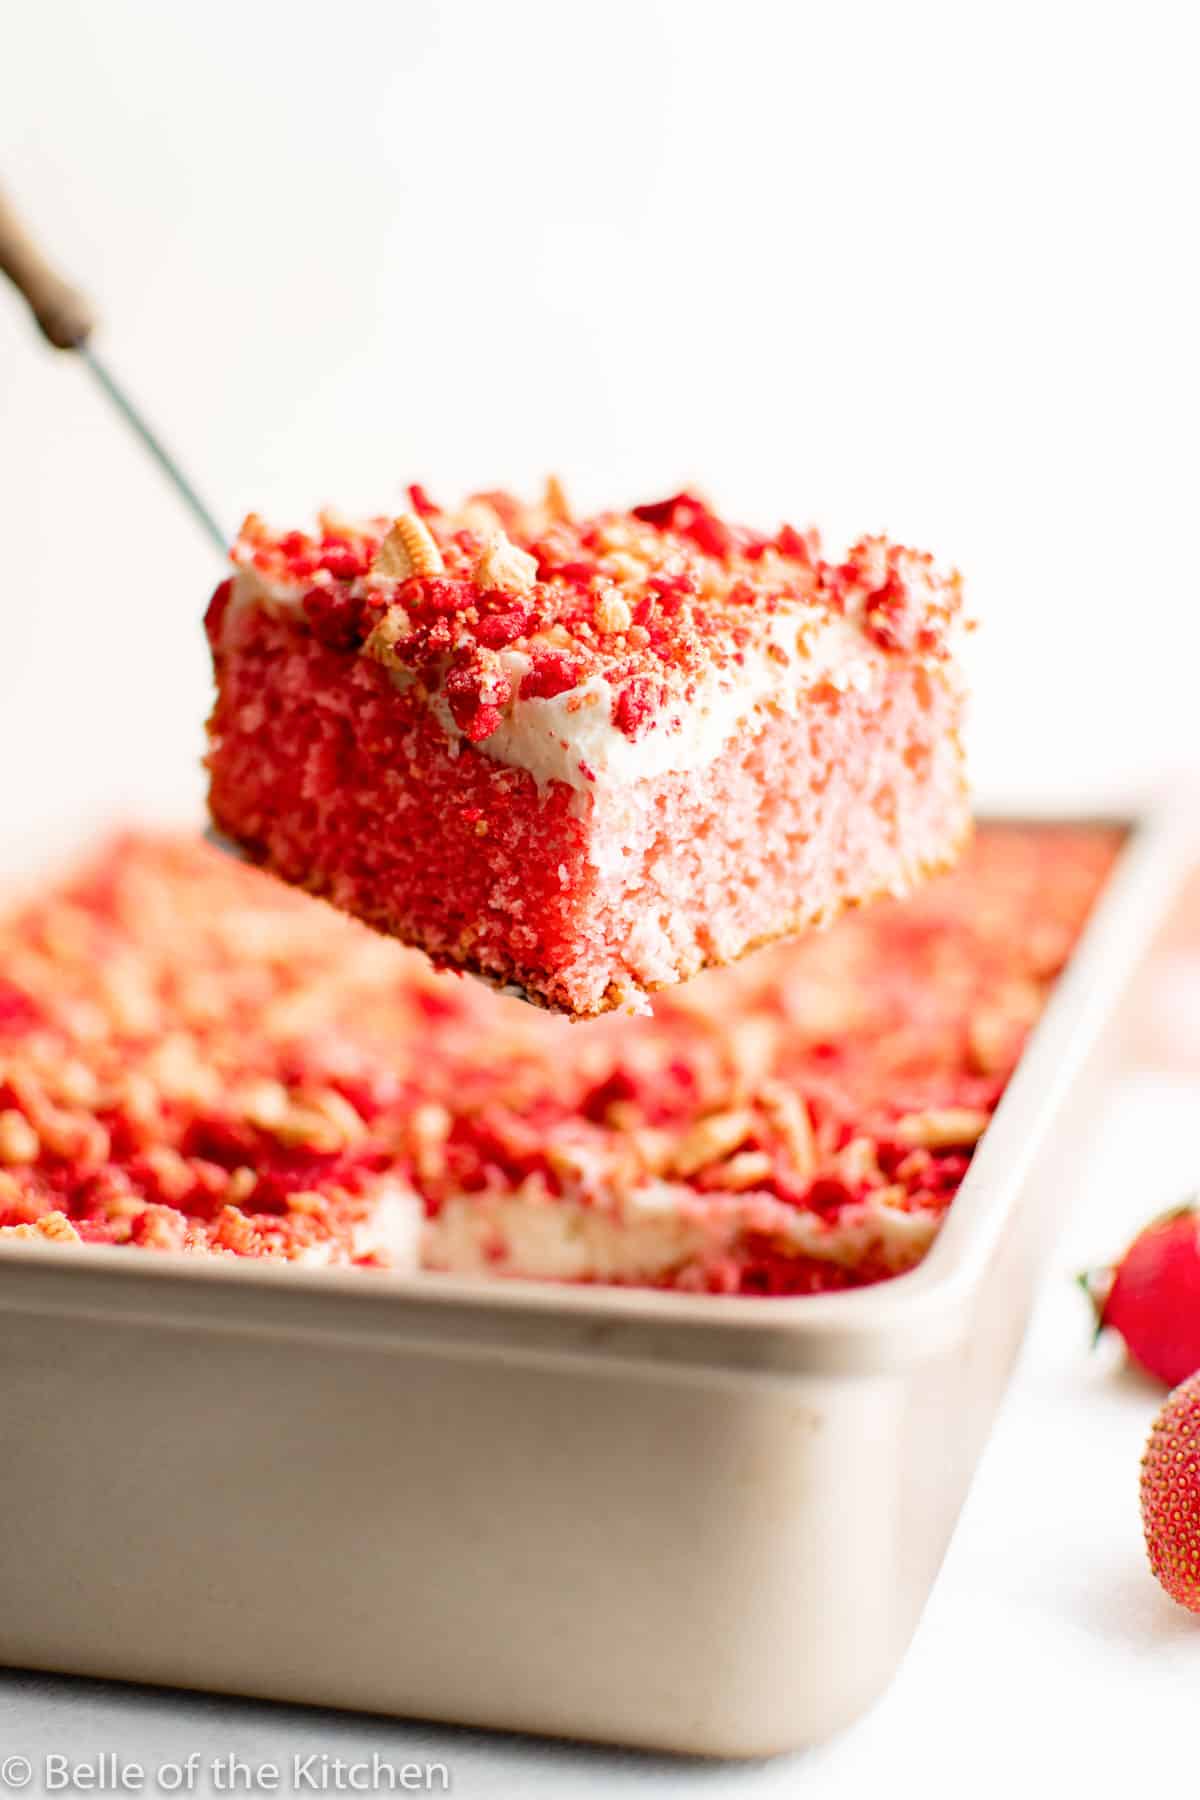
(926, 268)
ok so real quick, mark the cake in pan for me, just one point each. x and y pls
(585, 758)
(195, 1057)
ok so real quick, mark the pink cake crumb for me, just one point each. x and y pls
(585, 759)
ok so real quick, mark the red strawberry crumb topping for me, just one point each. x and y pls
(634, 707)
(648, 601)
(553, 672)
(476, 696)
(336, 616)
(497, 630)
(197, 1057)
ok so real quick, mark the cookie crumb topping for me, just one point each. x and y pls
(194, 1056)
(407, 550)
(649, 601)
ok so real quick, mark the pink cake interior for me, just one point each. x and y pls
(350, 788)
(585, 757)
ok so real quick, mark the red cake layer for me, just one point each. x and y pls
(194, 1058)
(585, 759)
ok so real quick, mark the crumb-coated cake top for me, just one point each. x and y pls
(636, 615)
(193, 1056)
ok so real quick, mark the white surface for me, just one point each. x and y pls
(928, 268)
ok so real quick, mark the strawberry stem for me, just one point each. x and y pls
(1096, 1284)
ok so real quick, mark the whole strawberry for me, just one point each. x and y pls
(1152, 1296)
(1171, 1495)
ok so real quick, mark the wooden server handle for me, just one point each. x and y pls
(64, 315)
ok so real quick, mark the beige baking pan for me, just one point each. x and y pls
(692, 1523)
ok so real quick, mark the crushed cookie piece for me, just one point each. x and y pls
(501, 565)
(51, 1228)
(748, 1169)
(19, 1142)
(789, 1117)
(408, 549)
(554, 501)
(393, 629)
(942, 1128)
(711, 1139)
(612, 612)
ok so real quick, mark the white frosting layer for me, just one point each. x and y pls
(656, 1232)
(572, 738)
(392, 1232)
(252, 588)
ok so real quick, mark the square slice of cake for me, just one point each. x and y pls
(585, 758)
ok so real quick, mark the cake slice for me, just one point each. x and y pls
(585, 759)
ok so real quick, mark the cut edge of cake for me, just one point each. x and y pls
(623, 667)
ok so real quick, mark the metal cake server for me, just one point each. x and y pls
(66, 319)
